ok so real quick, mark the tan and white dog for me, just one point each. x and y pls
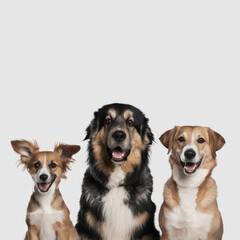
(190, 209)
(47, 215)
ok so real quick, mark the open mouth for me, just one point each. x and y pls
(190, 167)
(44, 187)
(119, 155)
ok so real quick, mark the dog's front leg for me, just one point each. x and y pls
(32, 233)
(66, 233)
(215, 237)
(62, 232)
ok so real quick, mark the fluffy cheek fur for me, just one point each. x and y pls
(59, 171)
(204, 151)
(102, 158)
(175, 155)
(208, 161)
(134, 158)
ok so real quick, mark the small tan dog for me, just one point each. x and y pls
(47, 215)
(190, 210)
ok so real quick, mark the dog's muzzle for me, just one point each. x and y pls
(119, 146)
(45, 183)
(189, 162)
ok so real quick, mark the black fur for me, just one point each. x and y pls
(139, 182)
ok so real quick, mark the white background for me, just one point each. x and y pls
(178, 61)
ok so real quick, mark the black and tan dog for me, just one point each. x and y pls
(190, 210)
(116, 192)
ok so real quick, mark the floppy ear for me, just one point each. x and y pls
(147, 131)
(26, 150)
(167, 138)
(216, 141)
(93, 127)
(66, 152)
(149, 135)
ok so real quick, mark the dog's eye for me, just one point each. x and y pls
(37, 165)
(130, 122)
(108, 121)
(181, 139)
(200, 140)
(52, 165)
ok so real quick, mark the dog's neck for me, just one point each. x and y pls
(188, 181)
(117, 177)
(45, 199)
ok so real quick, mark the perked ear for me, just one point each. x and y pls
(167, 138)
(66, 152)
(26, 149)
(216, 141)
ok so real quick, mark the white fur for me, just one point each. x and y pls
(43, 170)
(185, 222)
(191, 145)
(119, 221)
(45, 216)
(192, 181)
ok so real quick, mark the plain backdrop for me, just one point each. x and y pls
(177, 61)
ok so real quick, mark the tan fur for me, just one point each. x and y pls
(207, 192)
(171, 200)
(64, 230)
(141, 218)
(32, 233)
(207, 203)
(112, 113)
(93, 222)
(102, 157)
(128, 114)
(103, 160)
(134, 158)
(61, 156)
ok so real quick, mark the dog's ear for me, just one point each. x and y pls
(93, 127)
(66, 152)
(147, 131)
(167, 138)
(149, 134)
(216, 141)
(26, 150)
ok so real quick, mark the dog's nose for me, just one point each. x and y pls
(190, 154)
(119, 136)
(43, 177)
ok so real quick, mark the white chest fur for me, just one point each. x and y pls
(119, 221)
(185, 222)
(45, 216)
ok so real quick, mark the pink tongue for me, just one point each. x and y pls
(190, 167)
(117, 154)
(44, 186)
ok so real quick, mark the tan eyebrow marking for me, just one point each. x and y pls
(112, 113)
(128, 114)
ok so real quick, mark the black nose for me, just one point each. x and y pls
(190, 154)
(43, 177)
(119, 136)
